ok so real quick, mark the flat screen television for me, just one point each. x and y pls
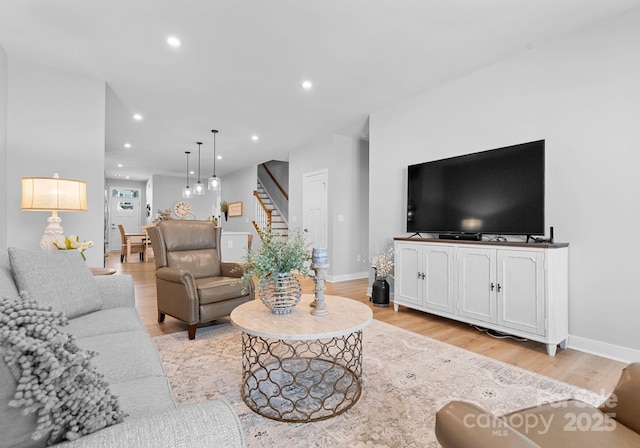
(497, 192)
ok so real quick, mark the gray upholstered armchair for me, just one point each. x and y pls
(193, 285)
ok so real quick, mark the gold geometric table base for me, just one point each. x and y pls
(301, 381)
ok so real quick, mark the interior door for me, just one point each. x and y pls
(124, 205)
(314, 217)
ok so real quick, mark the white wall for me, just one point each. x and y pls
(305, 160)
(280, 171)
(55, 123)
(580, 93)
(167, 190)
(350, 208)
(3, 147)
(239, 187)
(345, 160)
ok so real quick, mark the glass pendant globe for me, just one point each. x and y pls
(215, 184)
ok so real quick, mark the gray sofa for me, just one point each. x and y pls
(130, 363)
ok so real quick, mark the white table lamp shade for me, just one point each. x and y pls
(53, 195)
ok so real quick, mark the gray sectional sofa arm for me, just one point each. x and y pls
(200, 425)
(116, 291)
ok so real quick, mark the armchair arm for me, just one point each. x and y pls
(624, 402)
(177, 294)
(233, 268)
(460, 424)
(174, 275)
(116, 290)
(200, 425)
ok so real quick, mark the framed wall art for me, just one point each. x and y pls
(235, 208)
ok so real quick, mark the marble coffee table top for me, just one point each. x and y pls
(345, 316)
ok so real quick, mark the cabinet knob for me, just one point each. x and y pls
(499, 287)
(423, 276)
(492, 286)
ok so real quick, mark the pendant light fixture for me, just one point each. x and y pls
(199, 188)
(214, 182)
(187, 192)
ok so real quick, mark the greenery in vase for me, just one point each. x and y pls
(224, 206)
(278, 255)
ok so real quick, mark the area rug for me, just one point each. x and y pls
(407, 378)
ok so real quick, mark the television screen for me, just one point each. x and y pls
(496, 192)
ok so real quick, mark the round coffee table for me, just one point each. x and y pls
(299, 367)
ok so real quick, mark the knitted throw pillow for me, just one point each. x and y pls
(54, 376)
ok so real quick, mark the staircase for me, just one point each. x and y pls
(267, 214)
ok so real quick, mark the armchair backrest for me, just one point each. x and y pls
(190, 245)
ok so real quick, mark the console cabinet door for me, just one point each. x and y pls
(408, 274)
(521, 296)
(477, 284)
(438, 262)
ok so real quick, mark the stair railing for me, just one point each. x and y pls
(275, 181)
(263, 214)
(274, 190)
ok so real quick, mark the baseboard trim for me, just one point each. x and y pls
(347, 277)
(604, 349)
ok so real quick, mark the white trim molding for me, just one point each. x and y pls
(347, 277)
(604, 349)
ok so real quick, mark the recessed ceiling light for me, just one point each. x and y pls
(120, 165)
(192, 172)
(126, 177)
(127, 145)
(137, 117)
(306, 85)
(219, 157)
(254, 138)
(173, 41)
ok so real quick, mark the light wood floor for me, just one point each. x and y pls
(590, 372)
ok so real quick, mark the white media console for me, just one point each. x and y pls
(514, 288)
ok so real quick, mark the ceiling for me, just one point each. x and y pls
(241, 64)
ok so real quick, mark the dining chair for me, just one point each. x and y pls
(131, 244)
(148, 249)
